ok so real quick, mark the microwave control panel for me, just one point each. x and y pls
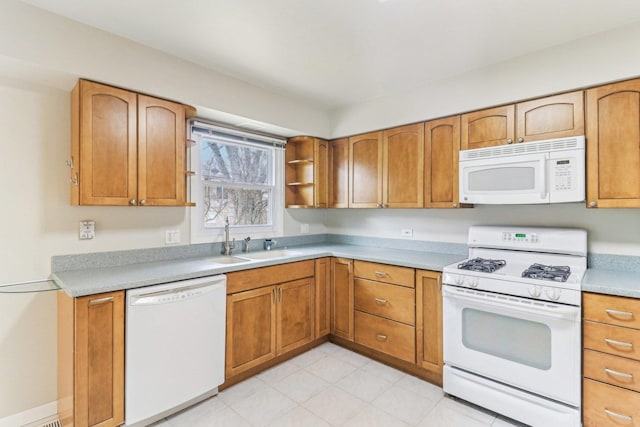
(566, 176)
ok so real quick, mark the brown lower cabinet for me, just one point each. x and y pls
(269, 320)
(91, 359)
(342, 298)
(429, 320)
(323, 297)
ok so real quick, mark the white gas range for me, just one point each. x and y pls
(511, 323)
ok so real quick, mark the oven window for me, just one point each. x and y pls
(521, 341)
(503, 179)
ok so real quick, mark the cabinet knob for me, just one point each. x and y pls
(133, 202)
(593, 204)
(378, 205)
(521, 139)
(509, 141)
(384, 205)
(143, 202)
(455, 205)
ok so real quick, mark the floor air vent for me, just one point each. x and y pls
(45, 422)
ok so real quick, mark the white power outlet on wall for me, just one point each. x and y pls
(304, 228)
(87, 230)
(171, 237)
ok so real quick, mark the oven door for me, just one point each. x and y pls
(504, 180)
(532, 345)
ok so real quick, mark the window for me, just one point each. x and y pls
(237, 177)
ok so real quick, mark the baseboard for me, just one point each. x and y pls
(30, 415)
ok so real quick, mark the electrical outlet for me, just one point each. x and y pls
(407, 233)
(87, 230)
(304, 228)
(171, 237)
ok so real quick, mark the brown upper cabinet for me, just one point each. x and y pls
(555, 116)
(306, 172)
(126, 148)
(365, 170)
(403, 166)
(441, 147)
(339, 173)
(613, 148)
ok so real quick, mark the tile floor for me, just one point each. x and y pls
(332, 386)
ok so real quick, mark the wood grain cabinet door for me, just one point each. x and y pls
(251, 329)
(403, 167)
(441, 147)
(429, 320)
(99, 360)
(556, 116)
(295, 314)
(339, 173)
(321, 173)
(487, 128)
(365, 172)
(342, 289)
(613, 145)
(161, 152)
(323, 296)
(104, 144)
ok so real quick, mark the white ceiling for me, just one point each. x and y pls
(333, 53)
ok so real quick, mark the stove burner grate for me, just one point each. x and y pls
(482, 265)
(547, 272)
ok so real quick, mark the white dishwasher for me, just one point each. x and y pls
(175, 340)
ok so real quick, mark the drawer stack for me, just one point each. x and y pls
(385, 309)
(611, 387)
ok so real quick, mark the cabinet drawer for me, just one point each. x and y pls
(616, 340)
(254, 278)
(395, 339)
(390, 301)
(611, 309)
(403, 276)
(612, 369)
(606, 405)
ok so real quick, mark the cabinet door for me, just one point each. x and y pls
(403, 167)
(320, 173)
(99, 360)
(295, 314)
(106, 144)
(486, 128)
(613, 145)
(339, 173)
(441, 147)
(342, 298)
(323, 297)
(556, 116)
(365, 172)
(161, 152)
(429, 320)
(251, 329)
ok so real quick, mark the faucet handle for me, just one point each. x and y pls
(269, 243)
(245, 245)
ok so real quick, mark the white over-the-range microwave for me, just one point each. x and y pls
(549, 171)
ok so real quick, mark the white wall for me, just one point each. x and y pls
(585, 62)
(612, 231)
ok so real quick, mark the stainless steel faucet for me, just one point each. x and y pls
(245, 244)
(269, 243)
(226, 247)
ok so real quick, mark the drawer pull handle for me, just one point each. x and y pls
(618, 343)
(618, 313)
(381, 301)
(618, 374)
(100, 300)
(381, 273)
(619, 416)
(381, 337)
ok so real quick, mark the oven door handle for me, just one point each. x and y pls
(560, 311)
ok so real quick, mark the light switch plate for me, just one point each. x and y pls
(87, 230)
(304, 228)
(171, 237)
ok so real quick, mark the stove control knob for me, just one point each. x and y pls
(473, 282)
(535, 291)
(553, 294)
(459, 280)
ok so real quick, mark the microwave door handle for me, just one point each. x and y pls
(543, 177)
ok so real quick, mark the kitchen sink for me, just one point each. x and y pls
(277, 253)
(228, 260)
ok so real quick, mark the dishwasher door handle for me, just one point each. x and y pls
(177, 294)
